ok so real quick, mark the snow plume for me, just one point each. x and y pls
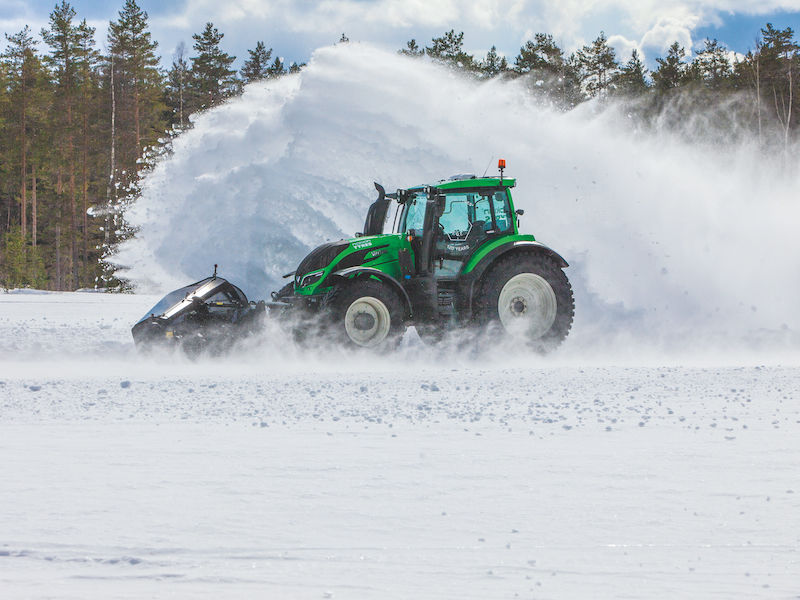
(670, 243)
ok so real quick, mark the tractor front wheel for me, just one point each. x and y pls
(530, 298)
(364, 313)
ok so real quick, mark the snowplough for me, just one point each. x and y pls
(454, 259)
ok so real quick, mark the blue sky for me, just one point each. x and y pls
(294, 28)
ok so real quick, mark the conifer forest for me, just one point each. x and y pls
(80, 127)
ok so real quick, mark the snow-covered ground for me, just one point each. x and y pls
(422, 475)
(654, 456)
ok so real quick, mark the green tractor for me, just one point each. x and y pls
(454, 259)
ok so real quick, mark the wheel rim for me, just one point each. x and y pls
(367, 321)
(527, 306)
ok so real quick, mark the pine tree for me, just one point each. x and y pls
(257, 65)
(599, 66)
(7, 172)
(779, 59)
(631, 80)
(540, 56)
(551, 77)
(138, 87)
(88, 60)
(412, 49)
(176, 92)
(672, 70)
(135, 95)
(449, 49)
(22, 73)
(276, 69)
(24, 99)
(213, 80)
(711, 65)
(64, 40)
(494, 64)
(21, 266)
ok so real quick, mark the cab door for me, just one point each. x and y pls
(469, 219)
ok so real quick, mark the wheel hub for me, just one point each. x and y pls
(527, 306)
(364, 321)
(518, 306)
(367, 321)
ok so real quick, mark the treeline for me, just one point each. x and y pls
(755, 94)
(77, 128)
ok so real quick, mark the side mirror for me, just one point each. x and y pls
(520, 212)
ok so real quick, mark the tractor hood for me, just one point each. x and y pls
(334, 256)
(319, 258)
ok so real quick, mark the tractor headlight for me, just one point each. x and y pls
(311, 278)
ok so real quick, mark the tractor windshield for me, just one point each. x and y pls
(413, 213)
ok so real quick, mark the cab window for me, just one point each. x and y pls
(502, 214)
(455, 218)
(466, 215)
(414, 213)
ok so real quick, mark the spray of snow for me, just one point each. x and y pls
(668, 242)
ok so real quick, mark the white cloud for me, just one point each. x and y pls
(653, 22)
(298, 26)
(623, 47)
(671, 29)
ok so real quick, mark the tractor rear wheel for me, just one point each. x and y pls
(365, 313)
(530, 298)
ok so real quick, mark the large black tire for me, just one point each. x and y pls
(364, 313)
(526, 297)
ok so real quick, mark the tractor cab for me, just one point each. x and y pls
(466, 213)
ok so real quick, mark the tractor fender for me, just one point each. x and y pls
(517, 246)
(384, 277)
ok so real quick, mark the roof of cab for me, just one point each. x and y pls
(472, 182)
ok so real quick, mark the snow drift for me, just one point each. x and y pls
(669, 243)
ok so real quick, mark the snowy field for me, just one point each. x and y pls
(655, 455)
(275, 475)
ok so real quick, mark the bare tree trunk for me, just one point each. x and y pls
(180, 93)
(85, 181)
(757, 69)
(111, 187)
(788, 118)
(73, 217)
(136, 117)
(33, 204)
(58, 253)
(24, 166)
(59, 194)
